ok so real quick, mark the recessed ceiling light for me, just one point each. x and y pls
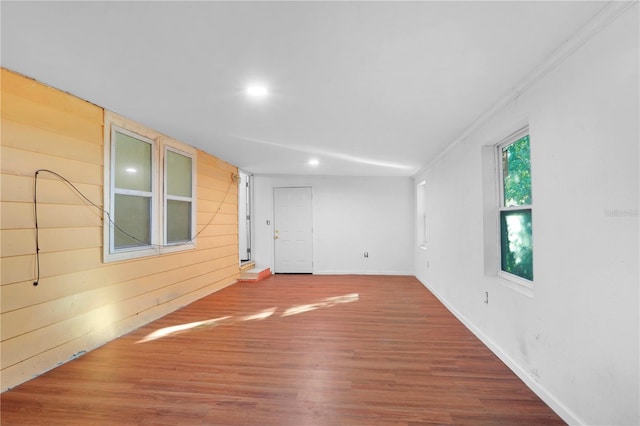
(314, 162)
(257, 91)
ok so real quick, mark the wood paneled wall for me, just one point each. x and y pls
(81, 302)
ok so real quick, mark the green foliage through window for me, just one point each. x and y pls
(516, 236)
(516, 241)
(516, 170)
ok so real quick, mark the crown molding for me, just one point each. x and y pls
(600, 20)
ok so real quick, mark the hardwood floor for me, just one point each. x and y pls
(289, 350)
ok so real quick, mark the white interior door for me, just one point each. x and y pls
(293, 230)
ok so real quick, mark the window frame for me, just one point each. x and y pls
(160, 144)
(521, 282)
(166, 197)
(113, 191)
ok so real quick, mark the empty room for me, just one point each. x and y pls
(320, 213)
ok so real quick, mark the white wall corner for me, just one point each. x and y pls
(558, 407)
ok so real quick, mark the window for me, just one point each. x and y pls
(515, 210)
(132, 190)
(149, 192)
(178, 197)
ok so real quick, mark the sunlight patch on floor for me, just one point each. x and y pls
(257, 316)
(260, 315)
(168, 331)
(325, 303)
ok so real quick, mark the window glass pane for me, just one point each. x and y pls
(178, 221)
(178, 174)
(517, 243)
(132, 214)
(132, 163)
(516, 169)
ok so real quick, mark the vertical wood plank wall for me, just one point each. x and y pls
(81, 302)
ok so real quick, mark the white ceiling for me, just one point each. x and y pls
(368, 88)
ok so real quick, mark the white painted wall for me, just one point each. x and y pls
(576, 341)
(351, 215)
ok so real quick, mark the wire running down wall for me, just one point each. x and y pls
(81, 302)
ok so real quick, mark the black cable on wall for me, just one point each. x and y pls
(106, 214)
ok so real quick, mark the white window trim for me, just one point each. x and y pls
(517, 283)
(173, 147)
(113, 191)
(159, 143)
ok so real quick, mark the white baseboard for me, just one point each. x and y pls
(368, 272)
(560, 409)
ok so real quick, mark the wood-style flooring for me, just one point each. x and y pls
(289, 350)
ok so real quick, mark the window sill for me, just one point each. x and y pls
(520, 285)
(145, 252)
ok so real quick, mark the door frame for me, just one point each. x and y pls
(246, 179)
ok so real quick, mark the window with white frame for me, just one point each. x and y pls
(132, 190)
(178, 194)
(516, 208)
(149, 192)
